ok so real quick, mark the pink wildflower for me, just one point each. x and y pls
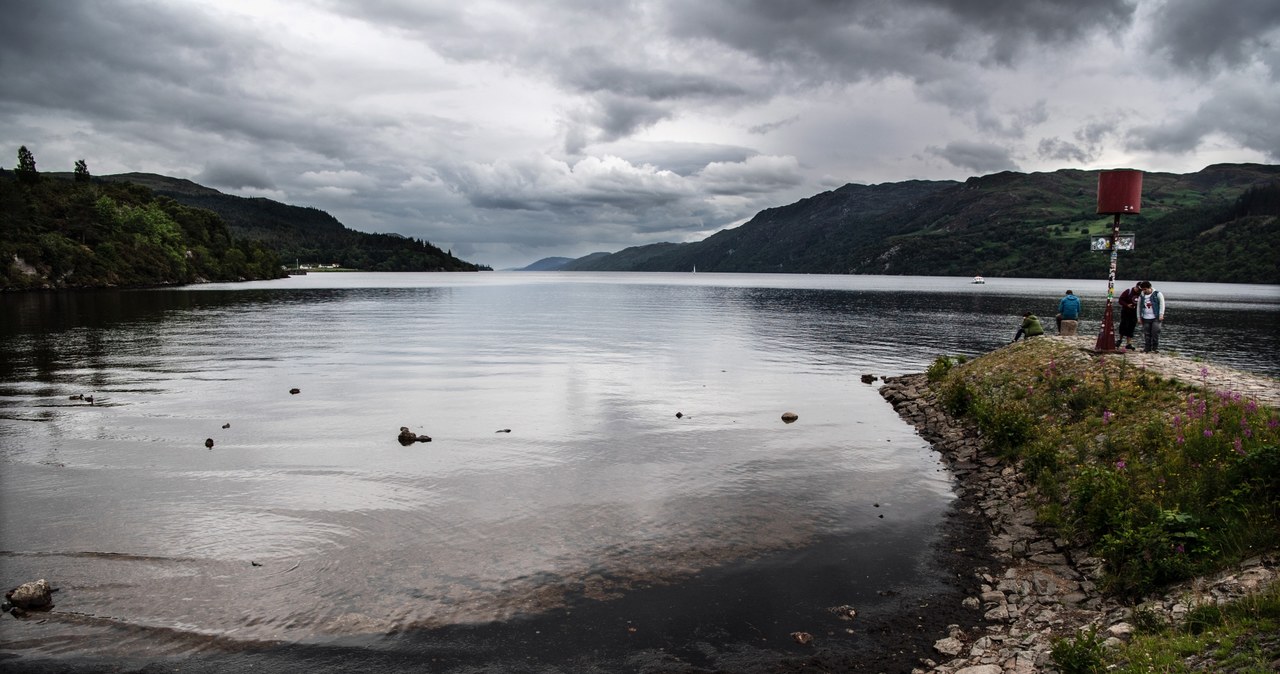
(1120, 464)
(1238, 447)
(1208, 433)
(1106, 416)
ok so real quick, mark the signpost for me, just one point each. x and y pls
(1119, 192)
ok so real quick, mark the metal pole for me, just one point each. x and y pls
(1107, 338)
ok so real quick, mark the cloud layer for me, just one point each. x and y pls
(509, 131)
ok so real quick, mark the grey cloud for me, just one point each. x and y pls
(1088, 145)
(1060, 150)
(862, 38)
(545, 184)
(758, 174)
(150, 72)
(650, 84)
(1011, 25)
(1205, 35)
(234, 176)
(683, 159)
(978, 157)
(762, 129)
(1245, 115)
(619, 117)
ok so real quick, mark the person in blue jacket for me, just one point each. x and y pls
(1068, 314)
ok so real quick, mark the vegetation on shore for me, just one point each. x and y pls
(1241, 637)
(1163, 480)
(81, 234)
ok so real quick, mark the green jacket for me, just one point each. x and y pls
(1031, 326)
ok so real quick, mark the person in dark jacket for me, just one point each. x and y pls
(1129, 314)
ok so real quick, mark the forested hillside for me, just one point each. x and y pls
(78, 233)
(1219, 224)
(304, 235)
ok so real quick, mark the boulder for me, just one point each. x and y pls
(789, 417)
(37, 595)
(408, 437)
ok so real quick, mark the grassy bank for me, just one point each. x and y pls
(1163, 480)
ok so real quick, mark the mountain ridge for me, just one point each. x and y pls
(1002, 224)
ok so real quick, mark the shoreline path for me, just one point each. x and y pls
(1036, 587)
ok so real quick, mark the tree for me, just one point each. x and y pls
(26, 169)
(82, 171)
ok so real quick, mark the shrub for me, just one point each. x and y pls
(1081, 655)
(941, 366)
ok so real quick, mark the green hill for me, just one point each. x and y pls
(58, 233)
(303, 234)
(1219, 224)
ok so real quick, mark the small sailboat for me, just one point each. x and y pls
(979, 280)
(695, 269)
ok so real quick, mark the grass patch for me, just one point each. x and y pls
(1162, 480)
(1241, 637)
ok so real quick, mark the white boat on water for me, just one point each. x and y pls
(979, 280)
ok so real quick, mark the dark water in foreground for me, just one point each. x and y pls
(601, 533)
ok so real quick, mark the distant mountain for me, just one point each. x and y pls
(302, 234)
(547, 264)
(1218, 224)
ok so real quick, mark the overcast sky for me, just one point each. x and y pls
(511, 130)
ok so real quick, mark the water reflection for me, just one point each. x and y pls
(598, 490)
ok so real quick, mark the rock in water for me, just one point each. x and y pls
(35, 595)
(789, 417)
(408, 437)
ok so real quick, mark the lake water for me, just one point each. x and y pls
(609, 487)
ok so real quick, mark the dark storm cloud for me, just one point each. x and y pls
(110, 61)
(1244, 115)
(1088, 145)
(153, 73)
(977, 157)
(867, 38)
(1208, 35)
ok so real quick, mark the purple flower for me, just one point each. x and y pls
(1106, 416)
(1179, 549)
(1204, 371)
(1181, 439)
(1120, 464)
(1237, 445)
(1177, 420)
(1208, 433)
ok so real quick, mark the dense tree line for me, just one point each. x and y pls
(57, 233)
(309, 235)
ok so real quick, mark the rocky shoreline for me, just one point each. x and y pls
(1040, 588)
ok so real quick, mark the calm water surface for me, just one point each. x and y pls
(559, 474)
